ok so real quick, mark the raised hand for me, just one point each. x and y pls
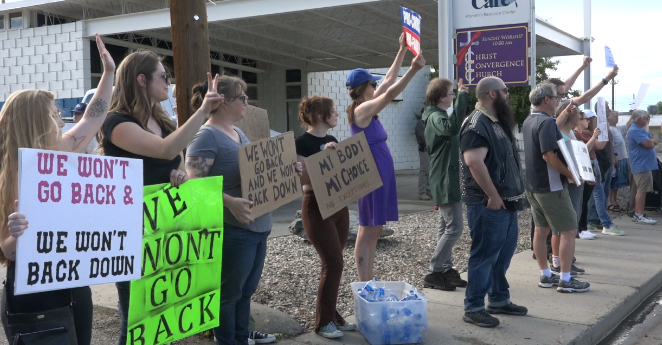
(587, 61)
(461, 87)
(106, 59)
(418, 62)
(212, 98)
(612, 73)
(403, 42)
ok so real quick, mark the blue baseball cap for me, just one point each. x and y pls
(359, 76)
(79, 108)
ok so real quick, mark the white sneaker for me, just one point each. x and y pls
(586, 235)
(330, 331)
(613, 230)
(251, 341)
(643, 220)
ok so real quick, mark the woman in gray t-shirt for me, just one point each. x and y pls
(213, 152)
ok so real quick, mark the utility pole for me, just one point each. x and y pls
(190, 40)
(613, 82)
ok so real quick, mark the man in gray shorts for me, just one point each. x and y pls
(643, 161)
(547, 189)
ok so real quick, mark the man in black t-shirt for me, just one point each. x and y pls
(546, 189)
(492, 188)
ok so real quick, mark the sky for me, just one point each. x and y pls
(629, 28)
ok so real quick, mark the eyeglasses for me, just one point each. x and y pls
(373, 84)
(450, 94)
(505, 90)
(165, 77)
(563, 95)
(584, 118)
(242, 98)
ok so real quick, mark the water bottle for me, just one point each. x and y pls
(411, 296)
(391, 296)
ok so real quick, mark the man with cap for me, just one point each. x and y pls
(78, 112)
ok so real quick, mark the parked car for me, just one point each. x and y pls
(168, 104)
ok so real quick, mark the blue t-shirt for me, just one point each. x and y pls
(641, 158)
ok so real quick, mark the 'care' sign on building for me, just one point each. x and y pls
(85, 215)
(480, 13)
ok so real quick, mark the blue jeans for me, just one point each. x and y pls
(243, 260)
(597, 205)
(494, 240)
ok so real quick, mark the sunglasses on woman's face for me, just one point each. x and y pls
(373, 84)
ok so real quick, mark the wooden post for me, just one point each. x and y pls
(190, 41)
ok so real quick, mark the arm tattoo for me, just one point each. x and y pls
(198, 163)
(97, 108)
(77, 141)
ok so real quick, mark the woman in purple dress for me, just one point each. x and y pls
(367, 101)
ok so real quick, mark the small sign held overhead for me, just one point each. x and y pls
(411, 25)
(609, 58)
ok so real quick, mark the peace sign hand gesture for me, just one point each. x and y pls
(212, 98)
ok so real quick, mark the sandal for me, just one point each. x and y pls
(613, 208)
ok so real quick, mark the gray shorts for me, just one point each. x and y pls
(553, 210)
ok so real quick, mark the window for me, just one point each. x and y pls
(16, 20)
(293, 76)
(2, 21)
(249, 77)
(293, 92)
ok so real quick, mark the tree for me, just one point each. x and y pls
(659, 107)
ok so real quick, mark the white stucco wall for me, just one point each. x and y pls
(398, 118)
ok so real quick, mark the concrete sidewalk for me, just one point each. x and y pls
(623, 272)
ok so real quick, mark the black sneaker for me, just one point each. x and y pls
(480, 318)
(510, 309)
(557, 270)
(437, 281)
(548, 282)
(453, 276)
(573, 285)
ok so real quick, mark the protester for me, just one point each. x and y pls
(493, 190)
(381, 205)
(597, 215)
(591, 141)
(424, 159)
(138, 127)
(441, 134)
(213, 152)
(643, 161)
(575, 191)
(29, 119)
(78, 112)
(620, 177)
(546, 189)
(328, 236)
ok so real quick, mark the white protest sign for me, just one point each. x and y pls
(609, 57)
(602, 120)
(469, 14)
(85, 214)
(643, 90)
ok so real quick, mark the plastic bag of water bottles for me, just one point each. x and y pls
(390, 312)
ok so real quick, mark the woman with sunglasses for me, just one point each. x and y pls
(381, 205)
(591, 140)
(138, 127)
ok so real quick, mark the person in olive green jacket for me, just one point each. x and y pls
(441, 137)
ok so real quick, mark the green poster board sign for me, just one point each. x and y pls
(180, 289)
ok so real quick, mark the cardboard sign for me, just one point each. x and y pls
(255, 124)
(85, 220)
(411, 25)
(609, 57)
(602, 120)
(343, 175)
(180, 289)
(268, 174)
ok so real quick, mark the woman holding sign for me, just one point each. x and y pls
(381, 205)
(328, 236)
(138, 127)
(213, 152)
(30, 119)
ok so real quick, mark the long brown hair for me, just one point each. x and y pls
(130, 98)
(25, 122)
(355, 94)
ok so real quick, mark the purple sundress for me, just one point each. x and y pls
(380, 205)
